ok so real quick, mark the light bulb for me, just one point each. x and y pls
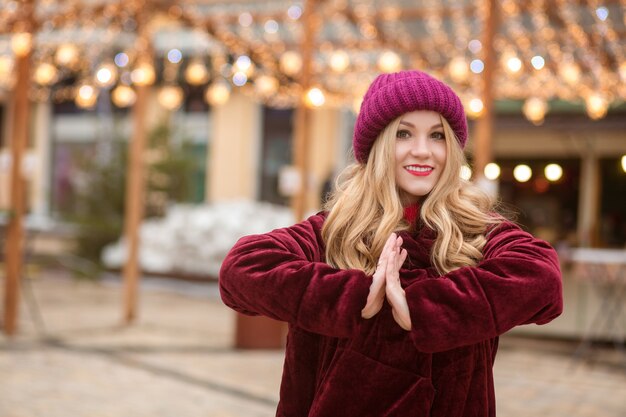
(123, 96)
(217, 93)
(553, 172)
(45, 74)
(535, 109)
(21, 43)
(143, 75)
(339, 61)
(315, 97)
(291, 63)
(86, 96)
(492, 171)
(196, 72)
(170, 97)
(389, 61)
(106, 75)
(522, 173)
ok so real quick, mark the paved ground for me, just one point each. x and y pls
(177, 361)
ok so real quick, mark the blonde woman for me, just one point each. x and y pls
(397, 292)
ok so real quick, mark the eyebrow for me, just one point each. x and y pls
(402, 122)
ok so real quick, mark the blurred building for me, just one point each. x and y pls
(227, 78)
(243, 146)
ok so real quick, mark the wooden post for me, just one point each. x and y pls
(135, 181)
(484, 124)
(589, 197)
(260, 332)
(14, 245)
(303, 113)
(134, 209)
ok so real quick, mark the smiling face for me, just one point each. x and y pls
(420, 152)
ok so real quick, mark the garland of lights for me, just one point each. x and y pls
(249, 51)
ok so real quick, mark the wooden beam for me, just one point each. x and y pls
(302, 113)
(135, 181)
(14, 245)
(134, 210)
(484, 125)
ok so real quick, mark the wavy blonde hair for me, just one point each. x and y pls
(366, 207)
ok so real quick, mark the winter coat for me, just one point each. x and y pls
(338, 364)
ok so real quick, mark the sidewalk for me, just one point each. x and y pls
(177, 361)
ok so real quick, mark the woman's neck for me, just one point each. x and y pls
(411, 212)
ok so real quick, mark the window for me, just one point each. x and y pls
(275, 152)
(612, 221)
(547, 209)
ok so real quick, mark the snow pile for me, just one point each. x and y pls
(194, 239)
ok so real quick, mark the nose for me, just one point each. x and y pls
(420, 146)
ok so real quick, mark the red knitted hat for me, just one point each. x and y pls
(392, 95)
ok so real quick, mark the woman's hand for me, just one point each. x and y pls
(376, 296)
(393, 289)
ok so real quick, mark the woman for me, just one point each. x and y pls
(396, 294)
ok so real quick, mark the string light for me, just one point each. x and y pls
(196, 72)
(174, 56)
(492, 171)
(514, 64)
(86, 96)
(570, 72)
(66, 55)
(45, 74)
(245, 19)
(476, 107)
(573, 57)
(106, 75)
(291, 63)
(535, 109)
(123, 96)
(596, 105)
(170, 97)
(522, 173)
(315, 97)
(244, 64)
(602, 13)
(266, 85)
(553, 172)
(143, 75)
(21, 43)
(477, 66)
(271, 26)
(240, 79)
(538, 62)
(339, 61)
(475, 46)
(121, 60)
(217, 93)
(294, 12)
(458, 69)
(389, 61)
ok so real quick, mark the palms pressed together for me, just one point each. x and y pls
(386, 283)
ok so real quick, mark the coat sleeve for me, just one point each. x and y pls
(517, 282)
(281, 275)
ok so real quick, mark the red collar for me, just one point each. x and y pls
(411, 212)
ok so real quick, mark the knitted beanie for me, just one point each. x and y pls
(392, 95)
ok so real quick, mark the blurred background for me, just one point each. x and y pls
(140, 139)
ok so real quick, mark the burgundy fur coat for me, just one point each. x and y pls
(340, 365)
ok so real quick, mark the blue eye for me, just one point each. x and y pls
(403, 134)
